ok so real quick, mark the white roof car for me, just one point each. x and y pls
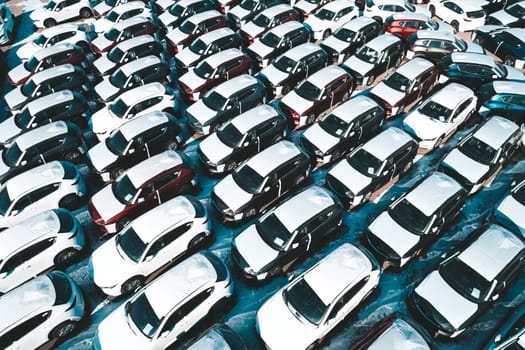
(330, 17)
(58, 11)
(509, 211)
(120, 13)
(463, 15)
(381, 9)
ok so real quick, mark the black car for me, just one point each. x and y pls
(506, 43)
(247, 9)
(183, 9)
(510, 335)
(345, 41)
(513, 15)
(506, 98)
(241, 138)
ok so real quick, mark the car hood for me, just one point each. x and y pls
(15, 98)
(387, 94)
(513, 73)
(103, 64)
(305, 6)
(176, 36)
(297, 103)
(192, 80)
(424, 127)
(513, 210)
(27, 50)
(8, 130)
(101, 42)
(317, 24)
(336, 44)
(116, 323)
(451, 305)
(108, 255)
(106, 90)
(465, 166)
(167, 18)
(188, 57)
(252, 29)
(102, 121)
(358, 66)
(254, 250)
(274, 75)
(474, 48)
(394, 235)
(101, 157)
(214, 149)
(318, 137)
(350, 177)
(260, 49)
(18, 74)
(231, 194)
(201, 112)
(106, 204)
(504, 17)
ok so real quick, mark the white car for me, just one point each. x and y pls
(103, 7)
(132, 103)
(154, 239)
(440, 115)
(120, 13)
(509, 211)
(58, 11)
(302, 313)
(47, 307)
(168, 307)
(463, 15)
(330, 17)
(35, 245)
(381, 9)
(7, 25)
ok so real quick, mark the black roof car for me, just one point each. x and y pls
(505, 98)
(506, 43)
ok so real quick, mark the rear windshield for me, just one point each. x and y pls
(476, 14)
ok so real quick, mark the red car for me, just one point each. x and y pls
(145, 185)
(410, 82)
(405, 24)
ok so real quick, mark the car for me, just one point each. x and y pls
(505, 98)
(60, 105)
(396, 333)
(57, 184)
(436, 44)
(37, 244)
(450, 298)
(260, 181)
(306, 7)
(292, 230)
(277, 41)
(296, 64)
(440, 115)
(241, 138)
(381, 9)
(246, 10)
(347, 39)
(213, 70)
(45, 308)
(482, 153)
(219, 334)
(226, 5)
(143, 247)
(316, 95)
(415, 220)
(53, 12)
(475, 70)
(343, 129)
(130, 104)
(404, 24)
(266, 20)
(508, 210)
(50, 80)
(126, 51)
(224, 102)
(103, 7)
(65, 33)
(123, 30)
(141, 187)
(330, 17)
(511, 16)
(7, 25)
(205, 46)
(510, 335)
(46, 58)
(508, 44)
(371, 166)
(120, 13)
(136, 73)
(183, 9)
(305, 310)
(134, 141)
(176, 301)
(54, 141)
(193, 27)
(464, 15)
(407, 84)
(375, 58)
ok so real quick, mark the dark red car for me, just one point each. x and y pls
(410, 82)
(404, 24)
(141, 188)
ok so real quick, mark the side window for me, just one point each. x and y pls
(149, 103)
(267, 126)
(168, 238)
(245, 94)
(343, 300)
(23, 329)
(164, 180)
(185, 309)
(44, 191)
(462, 107)
(23, 202)
(426, 75)
(27, 254)
(49, 144)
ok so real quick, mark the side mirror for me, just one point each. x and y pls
(149, 258)
(24, 162)
(266, 189)
(385, 172)
(246, 143)
(295, 245)
(229, 107)
(131, 151)
(497, 339)
(217, 75)
(140, 199)
(435, 229)
(495, 297)
(14, 212)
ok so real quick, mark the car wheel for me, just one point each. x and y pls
(509, 60)
(122, 223)
(277, 138)
(197, 241)
(336, 154)
(66, 256)
(326, 34)
(250, 213)
(170, 111)
(230, 166)
(132, 285)
(274, 271)
(171, 145)
(50, 22)
(432, 10)
(214, 127)
(115, 173)
(63, 330)
(455, 25)
(70, 202)
(72, 156)
(378, 19)
(85, 12)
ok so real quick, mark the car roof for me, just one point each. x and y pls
(396, 2)
(303, 206)
(235, 84)
(326, 75)
(492, 251)
(138, 64)
(43, 132)
(143, 122)
(120, 26)
(471, 57)
(401, 333)
(135, 41)
(285, 28)
(519, 33)
(216, 34)
(496, 131)
(387, 142)
(201, 16)
(159, 219)
(185, 3)
(302, 50)
(413, 68)
(151, 167)
(270, 158)
(44, 102)
(222, 56)
(34, 178)
(253, 117)
(141, 92)
(382, 41)
(358, 23)
(275, 10)
(52, 50)
(337, 5)
(179, 283)
(436, 34)
(52, 72)
(355, 106)
(469, 5)
(120, 9)
(509, 87)
(451, 95)
(61, 28)
(342, 267)
(416, 16)
(430, 194)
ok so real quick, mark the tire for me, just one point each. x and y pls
(455, 25)
(314, 345)
(70, 202)
(122, 223)
(115, 173)
(132, 285)
(509, 60)
(326, 34)
(197, 241)
(85, 12)
(274, 271)
(66, 256)
(230, 166)
(63, 330)
(336, 154)
(439, 142)
(171, 145)
(432, 10)
(249, 213)
(48, 23)
(10, 36)
(219, 306)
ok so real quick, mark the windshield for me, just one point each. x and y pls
(366, 163)
(273, 232)
(334, 125)
(117, 143)
(465, 280)
(230, 135)
(5, 201)
(325, 14)
(198, 47)
(248, 179)
(131, 244)
(40, 40)
(308, 91)
(118, 78)
(28, 88)
(112, 34)
(32, 64)
(124, 190)
(436, 111)
(24, 119)
(367, 54)
(204, 70)
(215, 101)
(270, 39)
(119, 108)
(116, 54)
(12, 155)
(112, 16)
(516, 11)
(188, 27)
(248, 4)
(50, 5)
(398, 82)
(285, 64)
(177, 10)
(143, 315)
(478, 150)
(344, 34)
(261, 20)
(410, 217)
(303, 301)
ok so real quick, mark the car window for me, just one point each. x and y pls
(462, 107)
(185, 309)
(40, 193)
(426, 75)
(165, 179)
(453, 7)
(27, 254)
(345, 298)
(23, 329)
(245, 94)
(514, 99)
(50, 144)
(168, 238)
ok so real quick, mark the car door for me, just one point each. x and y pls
(449, 11)
(35, 200)
(266, 133)
(25, 334)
